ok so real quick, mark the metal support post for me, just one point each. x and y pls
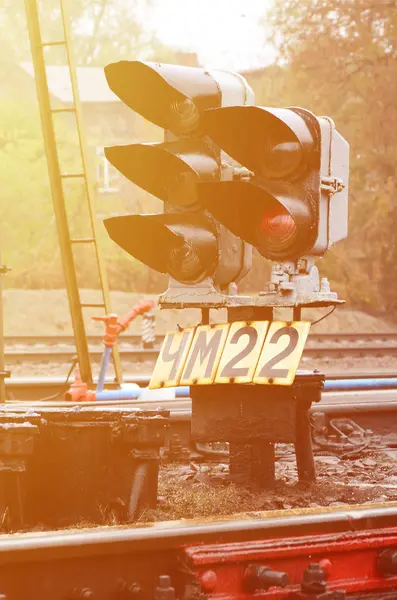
(3, 372)
(303, 445)
(205, 316)
(252, 464)
(57, 179)
(297, 313)
(263, 467)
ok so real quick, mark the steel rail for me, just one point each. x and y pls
(56, 355)
(134, 339)
(336, 403)
(60, 356)
(35, 388)
(30, 547)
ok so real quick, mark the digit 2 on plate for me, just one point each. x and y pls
(281, 352)
(241, 352)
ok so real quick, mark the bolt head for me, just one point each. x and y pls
(208, 580)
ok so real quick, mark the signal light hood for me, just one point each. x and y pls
(272, 142)
(168, 170)
(241, 206)
(151, 89)
(188, 243)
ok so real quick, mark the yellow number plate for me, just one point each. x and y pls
(240, 352)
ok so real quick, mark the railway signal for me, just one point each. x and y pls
(290, 198)
(199, 254)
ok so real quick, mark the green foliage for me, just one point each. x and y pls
(103, 30)
(29, 240)
(340, 59)
(26, 219)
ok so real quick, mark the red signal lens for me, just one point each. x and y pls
(278, 225)
(277, 229)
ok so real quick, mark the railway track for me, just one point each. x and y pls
(368, 411)
(61, 350)
(347, 552)
(283, 554)
(36, 388)
(135, 339)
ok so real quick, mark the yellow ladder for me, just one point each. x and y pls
(57, 179)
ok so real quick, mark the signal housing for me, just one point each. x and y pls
(186, 242)
(288, 154)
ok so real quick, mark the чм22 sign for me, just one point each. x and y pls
(240, 352)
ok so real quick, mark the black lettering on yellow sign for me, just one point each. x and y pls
(176, 355)
(268, 369)
(239, 352)
(201, 349)
(171, 360)
(230, 369)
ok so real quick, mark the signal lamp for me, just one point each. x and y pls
(186, 241)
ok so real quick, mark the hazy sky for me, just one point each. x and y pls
(225, 34)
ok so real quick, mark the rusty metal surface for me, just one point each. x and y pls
(219, 557)
(355, 562)
(78, 465)
(37, 388)
(173, 534)
(236, 413)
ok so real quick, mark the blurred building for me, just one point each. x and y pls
(107, 121)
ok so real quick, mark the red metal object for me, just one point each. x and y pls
(208, 580)
(78, 391)
(353, 562)
(115, 325)
(328, 554)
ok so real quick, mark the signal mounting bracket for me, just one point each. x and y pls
(333, 185)
(202, 295)
(297, 284)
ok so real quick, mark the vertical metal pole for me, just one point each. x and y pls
(303, 445)
(205, 316)
(137, 494)
(297, 313)
(263, 467)
(2, 361)
(87, 182)
(240, 462)
(107, 351)
(57, 190)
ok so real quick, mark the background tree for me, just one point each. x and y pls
(340, 59)
(103, 30)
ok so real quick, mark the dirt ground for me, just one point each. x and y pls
(46, 312)
(204, 490)
(193, 491)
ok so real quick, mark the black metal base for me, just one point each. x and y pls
(252, 418)
(62, 466)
